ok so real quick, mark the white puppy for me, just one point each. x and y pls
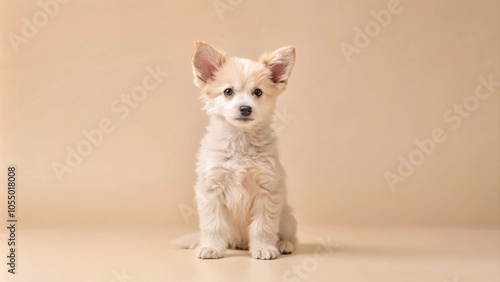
(240, 190)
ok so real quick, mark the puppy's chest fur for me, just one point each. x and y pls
(242, 153)
(241, 166)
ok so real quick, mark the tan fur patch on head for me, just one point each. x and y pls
(240, 75)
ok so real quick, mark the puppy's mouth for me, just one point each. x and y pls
(244, 119)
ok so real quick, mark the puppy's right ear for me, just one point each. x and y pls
(206, 61)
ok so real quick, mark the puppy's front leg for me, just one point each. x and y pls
(214, 228)
(264, 228)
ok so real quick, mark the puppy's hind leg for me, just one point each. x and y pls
(287, 232)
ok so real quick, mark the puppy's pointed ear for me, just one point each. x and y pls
(206, 61)
(280, 63)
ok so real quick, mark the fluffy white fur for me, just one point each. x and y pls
(240, 191)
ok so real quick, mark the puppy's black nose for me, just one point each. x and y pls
(245, 110)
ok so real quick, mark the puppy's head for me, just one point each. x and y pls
(241, 91)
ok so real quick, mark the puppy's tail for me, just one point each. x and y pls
(188, 241)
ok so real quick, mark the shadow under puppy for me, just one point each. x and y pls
(240, 190)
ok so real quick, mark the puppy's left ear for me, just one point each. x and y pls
(280, 63)
(206, 61)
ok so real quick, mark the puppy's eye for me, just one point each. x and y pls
(228, 92)
(257, 92)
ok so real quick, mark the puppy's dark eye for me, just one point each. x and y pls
(257, 92)
(228, 92)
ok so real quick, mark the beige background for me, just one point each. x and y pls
(343, 124)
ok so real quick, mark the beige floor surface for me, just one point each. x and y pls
(324, 254)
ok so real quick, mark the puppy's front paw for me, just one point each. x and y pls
(208, 253)
(266, 252)
(285, 247)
